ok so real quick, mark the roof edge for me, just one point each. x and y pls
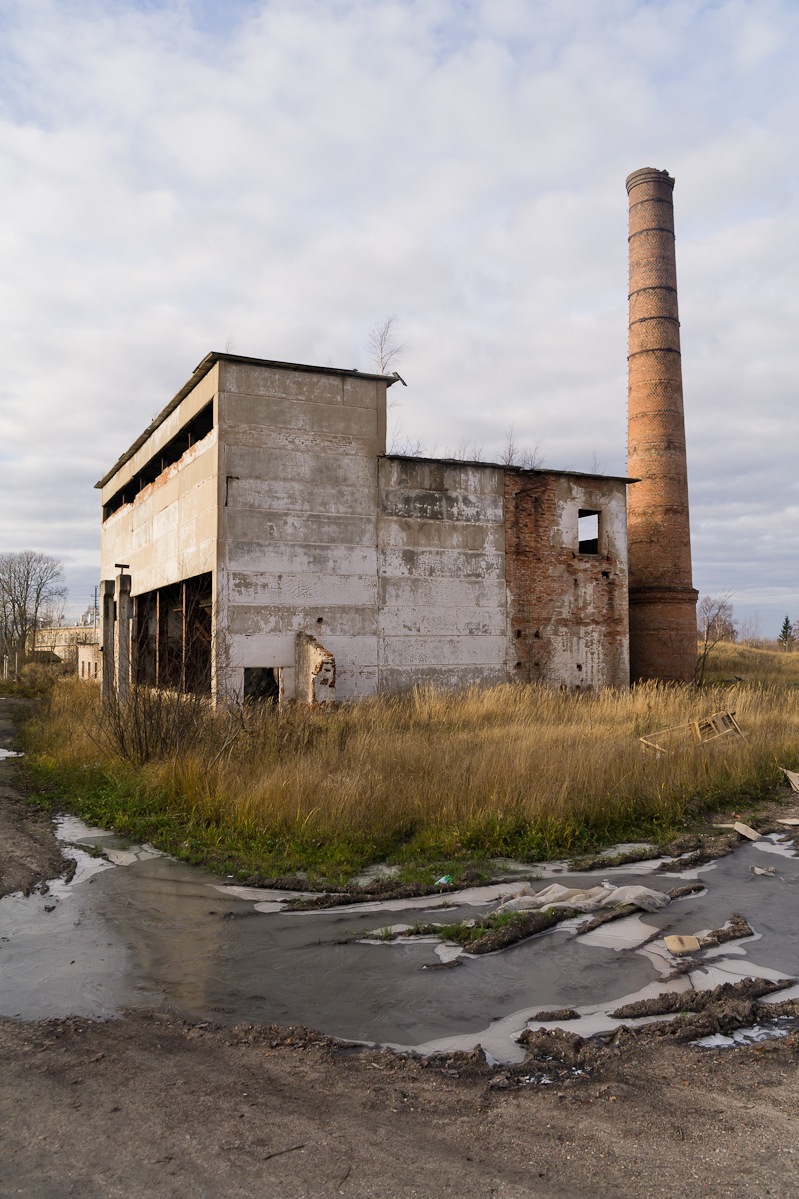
(199, 373)
(519, 470)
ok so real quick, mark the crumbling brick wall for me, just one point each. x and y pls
(567, 610)
(316, 671)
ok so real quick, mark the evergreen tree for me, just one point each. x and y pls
(785, 637)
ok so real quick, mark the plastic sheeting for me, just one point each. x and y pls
(586, 899)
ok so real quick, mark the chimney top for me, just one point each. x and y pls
(648, 175)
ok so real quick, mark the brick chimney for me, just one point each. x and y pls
(662, 597)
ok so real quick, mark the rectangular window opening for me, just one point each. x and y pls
(588, 531)
(196, 429)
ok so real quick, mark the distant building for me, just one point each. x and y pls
(60, 643)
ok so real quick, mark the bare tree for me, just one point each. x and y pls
(715, 623)
(749, 629)
(30, 584)
(465, 451)
(404, 446)
(526, 457)
(384, 345)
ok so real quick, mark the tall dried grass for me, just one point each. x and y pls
(729, 660)
(507, 770)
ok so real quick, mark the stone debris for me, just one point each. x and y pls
(679, 945)
(736, 927)
(743, 830)
(746, 831)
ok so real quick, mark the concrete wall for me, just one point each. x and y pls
(406, 570)
(298, 521)
(169, 531)
(90, 663)
(568, 613)
(441, 560)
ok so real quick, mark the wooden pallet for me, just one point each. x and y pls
(708, 728)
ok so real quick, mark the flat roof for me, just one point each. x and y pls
(520, 470)
(202, 370)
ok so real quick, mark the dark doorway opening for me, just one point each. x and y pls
(262, 684)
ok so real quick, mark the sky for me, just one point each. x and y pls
(276, 177)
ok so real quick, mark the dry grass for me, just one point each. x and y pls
(729, 660)
(521, 771)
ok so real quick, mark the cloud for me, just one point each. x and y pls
(285, 174)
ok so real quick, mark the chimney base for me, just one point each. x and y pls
(663, 634)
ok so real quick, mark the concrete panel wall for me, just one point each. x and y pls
(408, 571)
(188, 408)
(298, 520)
(441, 560)
(169, 531)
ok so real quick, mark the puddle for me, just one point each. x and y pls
(771, 1031)
(8, 753)
(136, 929)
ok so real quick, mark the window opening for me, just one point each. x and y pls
(588, 531)
(197, 428)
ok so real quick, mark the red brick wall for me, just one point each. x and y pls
(568, 618)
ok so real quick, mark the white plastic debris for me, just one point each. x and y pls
(590, 899)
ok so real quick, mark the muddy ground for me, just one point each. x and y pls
(150, 1106)
(28, 849)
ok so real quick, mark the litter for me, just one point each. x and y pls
(589, 899)
(709, 728)
(769, 871)
(793, 779)
(679, 945)
(445, 878)
(746, 831)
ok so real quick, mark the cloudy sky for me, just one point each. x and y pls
(274, 177)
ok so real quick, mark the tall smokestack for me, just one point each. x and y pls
(662, 597)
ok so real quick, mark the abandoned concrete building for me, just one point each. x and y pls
(258, 541)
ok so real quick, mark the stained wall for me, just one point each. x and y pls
(298, 521)
(441, 564)
(407, 570)
(567, 609)
(168, 532)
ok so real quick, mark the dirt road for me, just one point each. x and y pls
(149, 1106)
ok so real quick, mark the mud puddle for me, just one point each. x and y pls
(135, 929)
